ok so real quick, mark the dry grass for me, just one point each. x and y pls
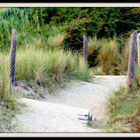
(109, 57)
(56, 41)
(105, 53)
(125, 55)
(93, 44)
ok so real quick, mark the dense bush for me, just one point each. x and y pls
(103, 22)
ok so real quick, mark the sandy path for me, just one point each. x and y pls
(60, 113)
(49, 117)
(92, 96)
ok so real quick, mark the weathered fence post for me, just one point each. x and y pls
(85, 48)
(132, 64)
(138, 47)
(13, 57)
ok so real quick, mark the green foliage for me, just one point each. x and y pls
(103, 22)
(75, 31)
(28, 22)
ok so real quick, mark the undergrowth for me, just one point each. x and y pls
(124, 112)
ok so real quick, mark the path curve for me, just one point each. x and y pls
(60, 113)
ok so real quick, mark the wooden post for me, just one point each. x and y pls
(85, 48)
(138, 66)
(138, 46)
(13, 57)
(132, 64)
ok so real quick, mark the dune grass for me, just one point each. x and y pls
(106, 54)
(56, 41)
(50, 67)
(93, 44)
(109, 56)
(125, 55)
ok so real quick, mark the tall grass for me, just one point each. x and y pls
(125, 55)
(5, 88)
(50, 67)
(105, 53)
(56, 41)
(93, 44)
(109, 57)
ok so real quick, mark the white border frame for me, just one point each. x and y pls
(47, 134)
(70, 4)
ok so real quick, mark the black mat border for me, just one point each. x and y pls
(69, 1)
